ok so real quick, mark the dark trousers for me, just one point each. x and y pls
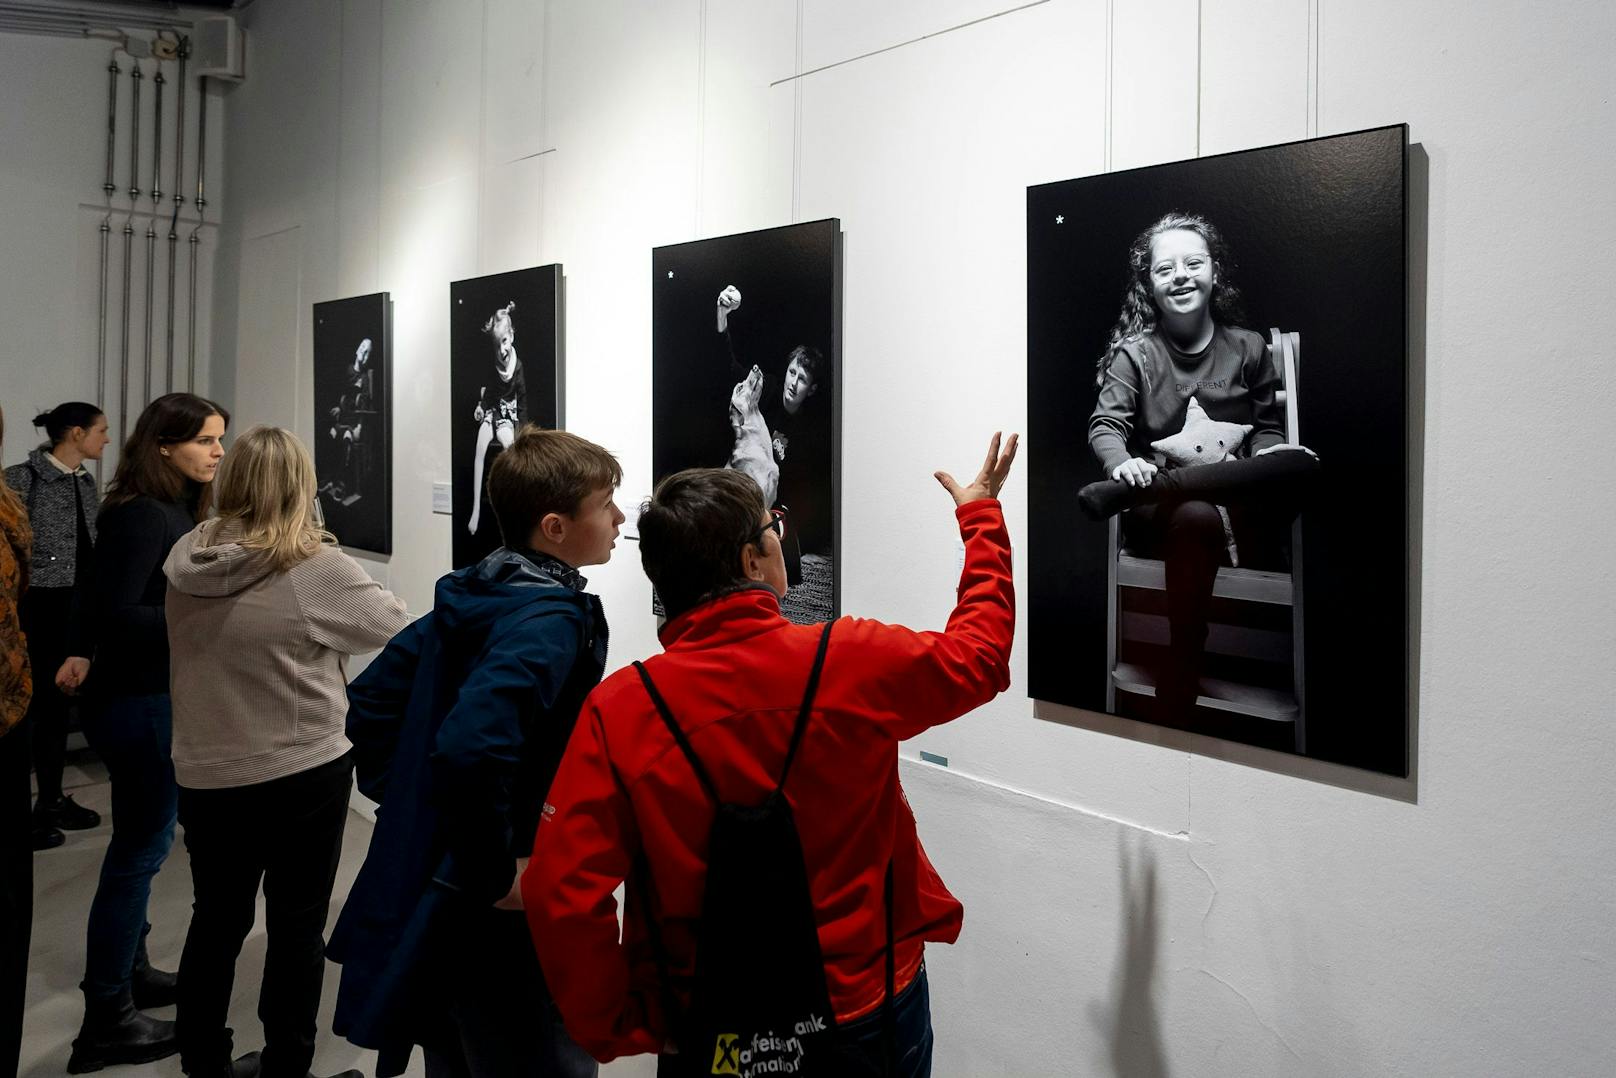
(16, 892)
(46, 614)
(498, 1018)
(861, 1050)
(1261, 495)
(132, 735)
(287, 835)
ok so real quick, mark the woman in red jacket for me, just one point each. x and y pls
(733, 671)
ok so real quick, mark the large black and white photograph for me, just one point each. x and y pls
(505, 370)
(1217, 391)
(352, 404)
(745, 365)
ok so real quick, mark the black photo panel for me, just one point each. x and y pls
(1217, 413)
(353, 394)
(746, 374)
(505, 370)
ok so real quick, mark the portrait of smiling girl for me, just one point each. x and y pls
(1176, 339)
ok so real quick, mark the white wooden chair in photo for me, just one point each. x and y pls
(1126, 570)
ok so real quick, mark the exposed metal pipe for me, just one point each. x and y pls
(179, 204)
(179, 127)
(113, 71)
(157, 137)
(123, 345)
(201, 202)
(201, 146)
(151, 284)
(85, 21)
(134, 132)
(101, 325)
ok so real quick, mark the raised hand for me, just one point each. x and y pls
(728, 300)
(990, 480)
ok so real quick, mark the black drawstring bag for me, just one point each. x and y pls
(758, 1001)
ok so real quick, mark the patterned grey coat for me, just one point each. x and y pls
(48, 492)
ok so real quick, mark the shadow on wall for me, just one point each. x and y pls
(1128, 1020)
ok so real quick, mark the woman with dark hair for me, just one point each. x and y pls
(1176, 346)
(16, 858)
(62, 501)
(160, 492)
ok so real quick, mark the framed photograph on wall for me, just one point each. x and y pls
(353, 448)
(505, 345)
(746, 374)
(1218, 416)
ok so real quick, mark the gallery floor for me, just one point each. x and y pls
(64, 880)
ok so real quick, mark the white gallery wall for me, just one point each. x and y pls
(1138, 902)
(53, 132)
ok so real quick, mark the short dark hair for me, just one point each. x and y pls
(63, 418)
(692, 531)
(813, 361)
(169, 420)
(544, 472)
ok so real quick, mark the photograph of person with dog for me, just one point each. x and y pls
(504, 357)
(1213, 380)
(744, 358)
(352, 447)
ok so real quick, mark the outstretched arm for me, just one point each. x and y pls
(927, 678)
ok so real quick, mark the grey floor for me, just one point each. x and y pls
(64, 880)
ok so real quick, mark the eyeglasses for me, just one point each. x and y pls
(1191, 264)
(776, 524)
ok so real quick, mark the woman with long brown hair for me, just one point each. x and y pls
(263, 611)
(16, 851)
(159, 492)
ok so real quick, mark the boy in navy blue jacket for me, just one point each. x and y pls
(457, 729)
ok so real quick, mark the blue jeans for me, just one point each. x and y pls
(131, 734)
(864, 1046)
(498, 1018)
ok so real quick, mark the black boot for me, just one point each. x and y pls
(244, 1067)
(114, 1032)
(152, 987)
(46, 837)
(62, 811)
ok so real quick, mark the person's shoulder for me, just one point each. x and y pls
(1137, 347)
(138, 511)
(1246, 342)
(328, 564)
(18, 475)
(544, 612)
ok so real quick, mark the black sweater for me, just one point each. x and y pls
(131, 632)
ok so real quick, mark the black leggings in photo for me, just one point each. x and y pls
(287, 835)
(1183, 527)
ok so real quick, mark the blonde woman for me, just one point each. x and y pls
(263, 611)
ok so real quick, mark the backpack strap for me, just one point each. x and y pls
(678, 734)
(807, 705)
(889, 1009)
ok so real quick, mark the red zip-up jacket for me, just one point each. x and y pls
(733, 672)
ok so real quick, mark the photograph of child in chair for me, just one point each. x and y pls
(352, 450)
(504, 358)
(1217, 381)
(744, 376)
